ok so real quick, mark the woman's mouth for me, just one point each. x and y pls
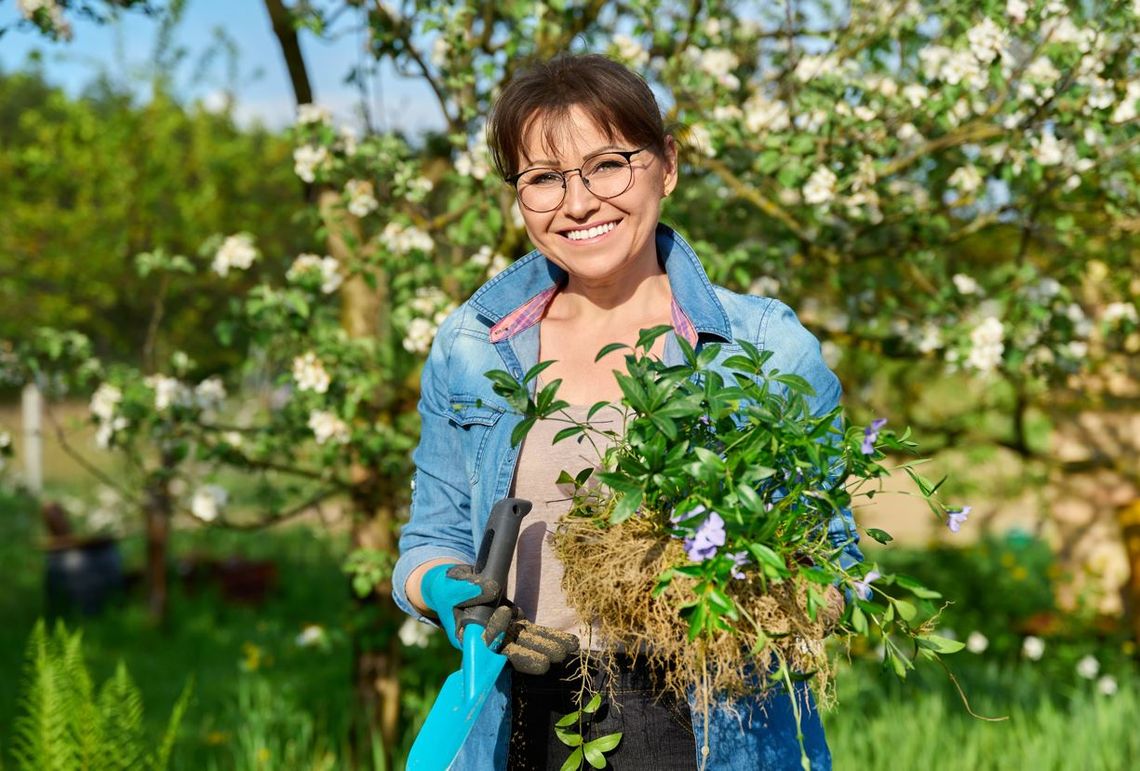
(592, 233)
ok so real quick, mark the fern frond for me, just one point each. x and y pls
(77, 688)
(161, 757)
(120, 709)
(41, 739)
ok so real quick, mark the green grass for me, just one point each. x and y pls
(922, 723)
(263, 702)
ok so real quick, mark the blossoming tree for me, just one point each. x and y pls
(950, 185)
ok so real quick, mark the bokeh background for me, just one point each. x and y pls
(229, 231)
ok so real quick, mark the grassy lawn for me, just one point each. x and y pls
(264, 701)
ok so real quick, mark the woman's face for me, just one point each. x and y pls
(629, 221)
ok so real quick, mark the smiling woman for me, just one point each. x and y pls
(581, 140)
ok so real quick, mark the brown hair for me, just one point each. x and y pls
(616, 99)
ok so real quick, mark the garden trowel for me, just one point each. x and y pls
(461, 699)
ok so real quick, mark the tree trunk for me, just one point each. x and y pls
(1129, 520)
(158, 509)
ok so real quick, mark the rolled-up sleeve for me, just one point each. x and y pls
(440, 520)
(796, 350)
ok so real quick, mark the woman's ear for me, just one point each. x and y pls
(669, 183)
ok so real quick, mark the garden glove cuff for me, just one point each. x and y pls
(529, 647)
(449, 589)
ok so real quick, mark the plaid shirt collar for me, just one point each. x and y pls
(694, 308)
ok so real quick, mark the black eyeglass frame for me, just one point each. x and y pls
(513, 180)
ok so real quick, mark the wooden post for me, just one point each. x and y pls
(32, 405)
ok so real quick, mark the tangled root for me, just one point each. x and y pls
(609, 577)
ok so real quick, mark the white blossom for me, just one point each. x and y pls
(1088, 667)
(966, 179)
(499, 263)
(1044, 290)
(719, 64)
(764, 114)
(820, 187)
(977, 642)
(1075, 350)
(107, 430)
(361, 198)
(1107, 685)
(236, 252)
(482, 258)
(420, 333)
(987, 41)
(930, 339)
(313, 115)
(908, 133)
(1116, 312)
(986, 347)
(1033, 648)
(764, 286)
(472, 165)
(328, 267)
(916, 94)
(310, 374)
(415, 634)
(440, 51)
(327, 427)
(348, 139)
(207, 502)
(418, 188)
(59, 24)
(404, 239)
(210, 393)
(631, 51)
(233, 439)
(104, 401)
(5, 440)
(1126, 110)
(168, 391)
(965, 284)
(307, 159)
(1102, 93)
(310, 635)
(701, 139)
(810, 66)
(1016, 10)
(1047, 149)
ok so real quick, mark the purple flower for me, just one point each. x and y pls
(863, 588)
(677, 518)
(954, 519)
(709, 537)
(739, 560)
(870, 434)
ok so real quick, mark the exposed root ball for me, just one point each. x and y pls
(609, 577)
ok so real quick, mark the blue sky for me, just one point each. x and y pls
(124, 49)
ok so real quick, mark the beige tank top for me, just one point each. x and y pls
(535, 582)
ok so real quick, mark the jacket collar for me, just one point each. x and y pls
(529, 281)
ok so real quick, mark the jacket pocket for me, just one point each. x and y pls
(474, 420)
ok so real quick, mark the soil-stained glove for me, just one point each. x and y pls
(530, 648)
(449, 589)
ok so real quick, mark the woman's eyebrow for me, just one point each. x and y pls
(553, 163)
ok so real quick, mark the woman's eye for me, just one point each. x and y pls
(545, 178)
(607, 165)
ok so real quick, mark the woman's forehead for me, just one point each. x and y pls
(565, 136)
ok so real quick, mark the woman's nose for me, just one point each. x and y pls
(579, 201)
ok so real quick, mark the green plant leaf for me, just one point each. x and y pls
(607, 742)
(593, 704)
(940, 644)
(574, 761)
(568, 720)
(569, 738)
(608, 349)
(882, 536)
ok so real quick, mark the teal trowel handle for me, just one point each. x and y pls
(496, 554)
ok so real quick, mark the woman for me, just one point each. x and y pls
(582, 141)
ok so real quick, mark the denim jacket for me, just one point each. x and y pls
(465, 462)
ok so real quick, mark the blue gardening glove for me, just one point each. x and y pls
(530, 648)
(449, 589)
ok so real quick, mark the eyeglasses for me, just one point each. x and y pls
(606, 175)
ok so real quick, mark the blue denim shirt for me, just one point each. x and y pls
(465, 463)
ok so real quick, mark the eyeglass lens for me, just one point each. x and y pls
(605, 176)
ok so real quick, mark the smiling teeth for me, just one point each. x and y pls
(594, 232)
